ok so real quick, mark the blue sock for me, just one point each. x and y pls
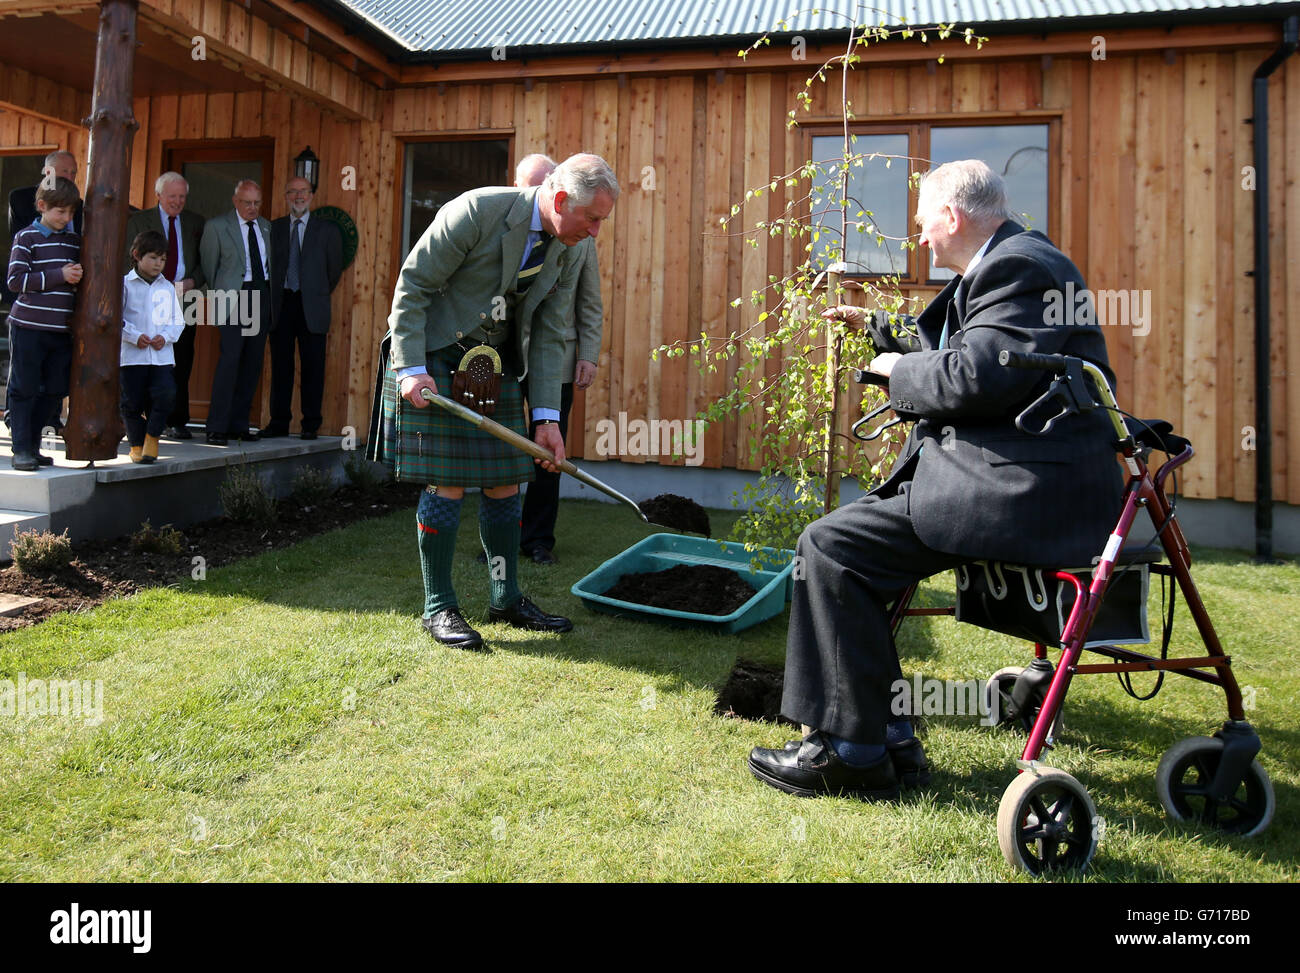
(898, 731)
(856, 754)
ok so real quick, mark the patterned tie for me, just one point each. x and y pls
(295, 258)
(255, 256)
(169, 268)
(532, 265)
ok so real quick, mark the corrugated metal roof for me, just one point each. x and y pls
(467, 25)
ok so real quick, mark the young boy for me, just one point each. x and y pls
(44, 270)
(151, 323)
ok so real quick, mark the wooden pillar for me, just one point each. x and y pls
(93, 422)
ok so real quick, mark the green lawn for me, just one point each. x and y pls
(286, 719)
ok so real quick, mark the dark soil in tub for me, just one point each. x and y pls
(700, 588)
(677, 513)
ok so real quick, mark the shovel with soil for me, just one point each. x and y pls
(665, 510)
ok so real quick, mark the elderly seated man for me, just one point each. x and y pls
(967, 486)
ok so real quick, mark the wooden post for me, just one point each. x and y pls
(92, 429)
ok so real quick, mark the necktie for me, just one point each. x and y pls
(255, 256)
(169, 268)
(295, 258)
(533, 263)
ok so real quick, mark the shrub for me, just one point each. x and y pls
(361, 473)
(41, 552)
(311, 485)
(166, 540)
(244, 498)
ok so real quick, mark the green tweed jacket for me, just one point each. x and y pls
(469, 257)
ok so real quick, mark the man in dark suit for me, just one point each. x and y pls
(311, 253)
(234, 252)
(968, 485)
(183, 229)
(60, 164)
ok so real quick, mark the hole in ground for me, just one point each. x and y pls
(752, 692)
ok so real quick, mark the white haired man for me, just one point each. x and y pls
(183, 230)
(235, 254)
(968, 485)
(491, 279)
(583, 326)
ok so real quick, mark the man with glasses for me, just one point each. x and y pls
(310, 251)
(234, 256)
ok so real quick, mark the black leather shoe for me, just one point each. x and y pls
(214, 440)
(524, 614)
(542, 555)
(247, 435)
(814, 768)
(43, 460)
(450, 628)
(26, 462)
(910, 766)
(177, 432)
(307, 435)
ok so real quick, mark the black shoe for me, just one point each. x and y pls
(43, 460)
(541, 555)
(524, 614)
(910, 765)
(307, 435)
(177, 432)
(26, 462)
(814, 768)
(215, 440)
(450, 628)
(247, 435)
(274, 432)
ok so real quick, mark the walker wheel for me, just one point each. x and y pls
(997, 692)
(1183, 780)
(1047, 823)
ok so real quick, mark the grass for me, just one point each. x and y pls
(285, 719)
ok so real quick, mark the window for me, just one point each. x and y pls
(438, 172)
(881, 205)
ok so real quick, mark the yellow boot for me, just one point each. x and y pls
(150, 449)
(137, 452)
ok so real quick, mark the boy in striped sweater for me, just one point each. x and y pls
(44, 270)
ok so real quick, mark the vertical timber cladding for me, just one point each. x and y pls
(1146, 150)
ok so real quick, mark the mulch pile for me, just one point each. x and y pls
(701, 588)
(678, 513)
(104, 569)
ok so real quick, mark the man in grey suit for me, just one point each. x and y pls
(183, 229)
(311, 253)
(968, 486)
(496, 268)
(234, 256)
(583, 328)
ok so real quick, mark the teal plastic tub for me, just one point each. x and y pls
(659, 552)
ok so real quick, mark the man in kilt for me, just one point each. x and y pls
(494, 269)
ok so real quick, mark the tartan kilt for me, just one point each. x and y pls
(433, 446)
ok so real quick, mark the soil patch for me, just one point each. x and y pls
(701, 588)
(677, 513)
(752, 692)
(104, 569)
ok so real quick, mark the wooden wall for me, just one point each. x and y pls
(1149, 196)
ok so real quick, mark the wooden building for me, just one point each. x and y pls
(1137, 119)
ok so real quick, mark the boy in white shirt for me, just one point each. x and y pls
(151, 323)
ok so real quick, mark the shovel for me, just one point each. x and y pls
(493, 428)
